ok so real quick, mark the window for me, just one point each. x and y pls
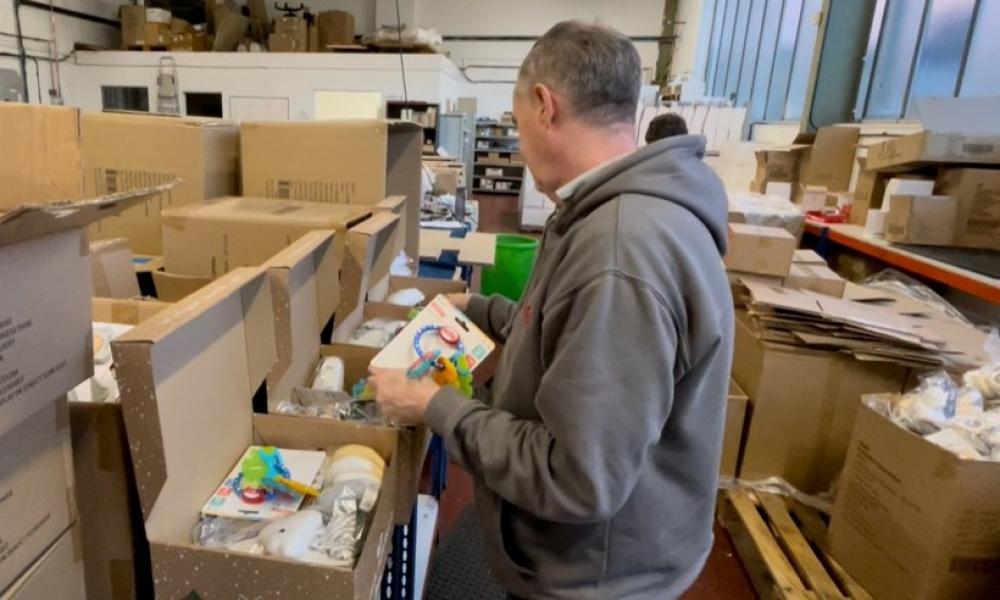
(125, 98)
(921, 48)
(761, 53)
(203, 104)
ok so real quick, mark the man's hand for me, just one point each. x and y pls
(461, 301)
(400, 398)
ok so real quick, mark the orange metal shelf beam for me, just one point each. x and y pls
(980, 289)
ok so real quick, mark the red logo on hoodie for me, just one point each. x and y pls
(526, 314)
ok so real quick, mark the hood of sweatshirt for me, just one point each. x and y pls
(672, 170)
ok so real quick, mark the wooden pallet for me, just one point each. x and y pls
(780, 542)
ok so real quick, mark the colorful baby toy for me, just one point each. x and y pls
(263, 474)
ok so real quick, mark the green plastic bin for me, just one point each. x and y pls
(515, 259)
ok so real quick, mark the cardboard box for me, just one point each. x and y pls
(57, 574)
(956, 130)
(37, 498)
(128, 151)
(870, 191)
(926, 220)
(133, 29)
(760, 250)
(336, 27)
(40, 154)
(305, 293)
(732, 439)
(912, 520)
(778, 163)
(207, 356)
(126, 311)
(831, 158)
(804, 403)
(111, 272)
(978, 193)
(339, 162)
(816, 277)
(115, 550)
(45, 338)
(807, 257)
(291, 34)
(208, 240)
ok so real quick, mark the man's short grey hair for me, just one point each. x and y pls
(596, 68)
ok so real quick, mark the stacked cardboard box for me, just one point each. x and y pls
(121, 152)
(336, 162)
(958, 149)
(46, 349)
(758, 253)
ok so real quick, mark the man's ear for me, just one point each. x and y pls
(546, 104)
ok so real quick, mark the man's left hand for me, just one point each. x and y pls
(400, 398)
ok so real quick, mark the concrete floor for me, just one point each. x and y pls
(723, 578)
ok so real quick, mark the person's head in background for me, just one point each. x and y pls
(575, 101)
(664, 126)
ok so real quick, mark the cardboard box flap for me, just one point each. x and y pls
(378, 224)
(131, 117)
(172, 287)
(126, 312)
(190, 372)
(31, 221)
(252, 210)
(393, 204)
(967, 116)
(305, 290)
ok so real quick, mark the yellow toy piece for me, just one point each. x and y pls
(446, 374)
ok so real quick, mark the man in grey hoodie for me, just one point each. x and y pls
(596, 457)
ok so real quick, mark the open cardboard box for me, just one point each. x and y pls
(187, 378)
(336, 162)
(46, 347)
(301, 295)
(115, 550)
(732, 440)
(912, 519)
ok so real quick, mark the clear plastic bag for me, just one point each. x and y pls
(891, 280)
(929, 406)
(377, 333)
(220, 532)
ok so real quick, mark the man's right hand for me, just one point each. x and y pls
(461, 301)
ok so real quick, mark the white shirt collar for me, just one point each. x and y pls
(566, 191)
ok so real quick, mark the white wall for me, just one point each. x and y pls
(689, 34)
(527, 18)
(295, 77)
(35, 23)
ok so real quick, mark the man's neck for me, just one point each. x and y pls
(594, 147)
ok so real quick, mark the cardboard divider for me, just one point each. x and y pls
(367, 261)
(187, 377)
(305, 293)
(111, 272)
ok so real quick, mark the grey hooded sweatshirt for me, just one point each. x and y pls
(596, 458)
